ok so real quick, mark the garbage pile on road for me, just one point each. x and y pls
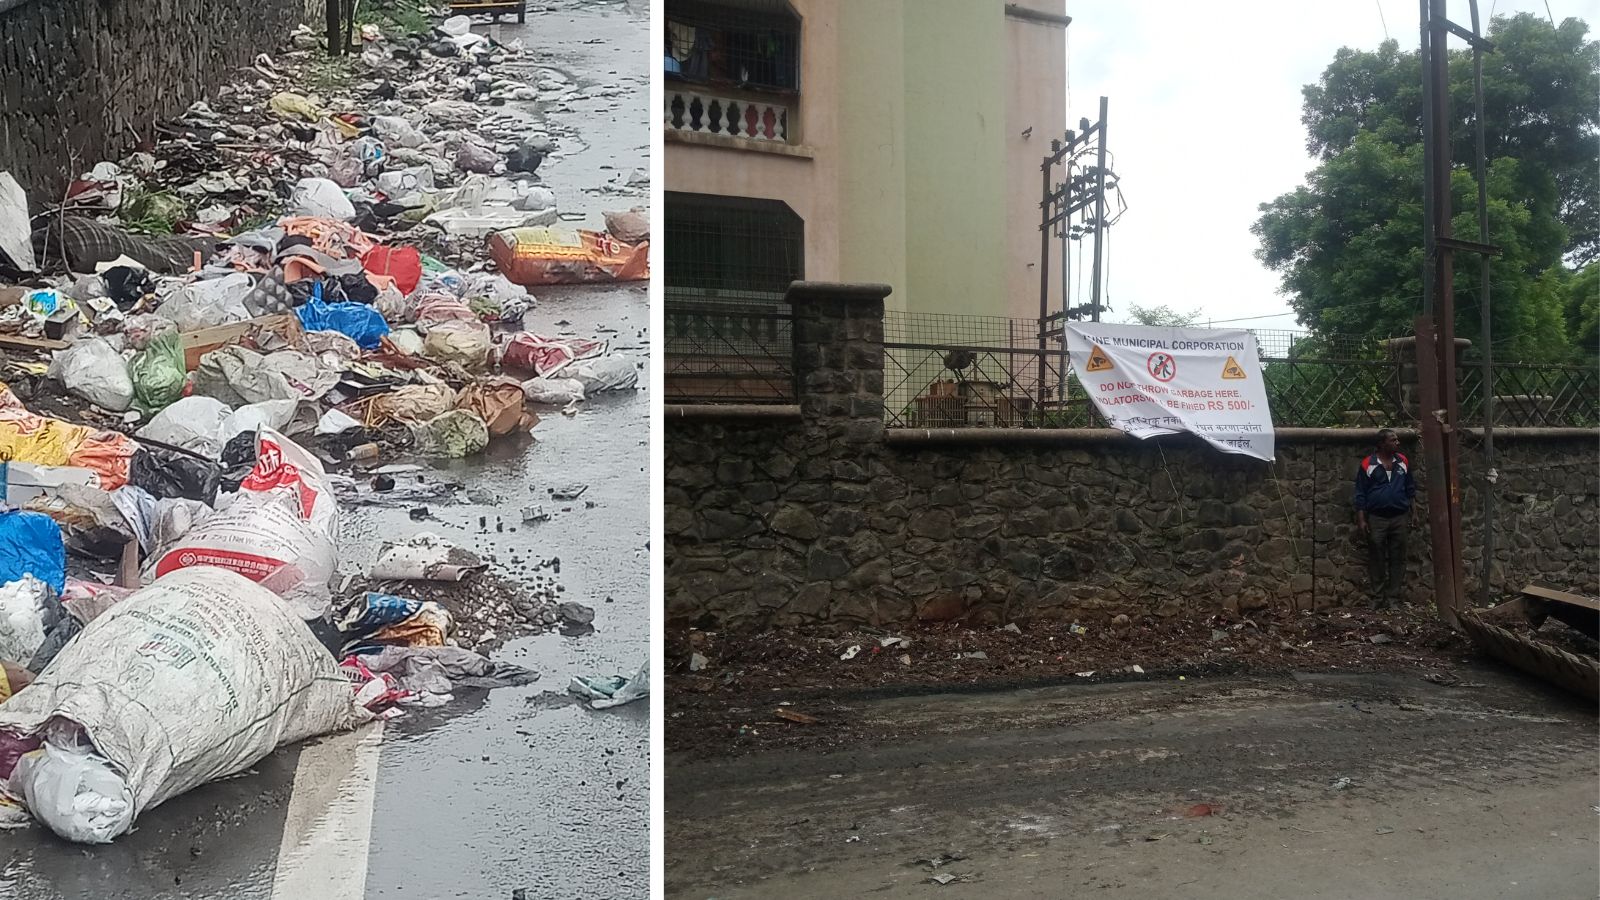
(211, 346)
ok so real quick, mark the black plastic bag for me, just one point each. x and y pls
(168, 473)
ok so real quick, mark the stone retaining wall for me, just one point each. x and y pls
(828, 518)
(84, 80)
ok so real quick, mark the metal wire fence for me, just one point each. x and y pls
(943, 371)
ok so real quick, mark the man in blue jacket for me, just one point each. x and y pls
(1384, 488)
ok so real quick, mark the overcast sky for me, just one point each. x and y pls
(1204, 123)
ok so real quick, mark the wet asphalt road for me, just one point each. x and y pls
(518, 788)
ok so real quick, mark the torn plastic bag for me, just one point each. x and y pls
(320, 198)
(56, 637)
(91, 524)
(209, 303)
(193, 423)
(158, 373)
(500, 403)
(545, 356)
(155, 522)
(30, 544)
(440, 670)
(167, 473)
(631, 227)
(554, 391)
(28, 609)
(453, 434)
(291, 417)
(87, 600)
(360, 322)
(95, 371)
(191, 679)
(468, 344)
(604, 692)
(431, 625)
(281, 529)
(238, 376)
(411, 403)
(425, 557)
(397, 132)
(608, 373)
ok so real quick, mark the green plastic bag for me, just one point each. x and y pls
(158, 373)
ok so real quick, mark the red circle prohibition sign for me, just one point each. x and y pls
(1162, 366)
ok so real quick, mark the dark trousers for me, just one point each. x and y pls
(1386, 555)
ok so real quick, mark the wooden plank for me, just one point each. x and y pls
(29, 345)
(198, 343)
(1545, 593)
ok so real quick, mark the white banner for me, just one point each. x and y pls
(1150, 380)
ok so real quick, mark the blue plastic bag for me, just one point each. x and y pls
(30, 544)
(360, 322)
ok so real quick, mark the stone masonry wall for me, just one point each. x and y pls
(828, 518)
(84, 80)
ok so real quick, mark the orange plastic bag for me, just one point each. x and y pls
(107, 453)
(538, 256)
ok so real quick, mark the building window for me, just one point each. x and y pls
(750, 44)
(731, 247)
(729, 335)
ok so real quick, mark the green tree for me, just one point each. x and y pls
(1162, 315)
(1348, 243)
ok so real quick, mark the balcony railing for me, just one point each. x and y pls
(695, 111)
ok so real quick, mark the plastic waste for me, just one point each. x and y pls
(631, 227)
(281, 529)
(30, 545)
(500, 403)
(358, 321)
(553, 391)
(425, 557)
(193, 423)
(397, 132)
(16, 234)
(95, 371)
(47, 302)
(278, 415)
(320, 198)
(411, 403)
(208, 303)
(439, 670)
(138, 331)
(223, 673)
(24, 602)
(398, 183)
(537, 256)
(604, 692)
(608, 373)
(335, 422)
(477, 158)
(158, 373)
(467, 343)
(168, 473)
(453, 434)
(238, 376)
(546, 356)
(403, 264)
(288, 105)
(455, 26)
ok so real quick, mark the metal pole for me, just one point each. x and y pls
(1066, 274)
(1432, 391)
(1099, 205)
(1044, 262)
(1484, 331)
(1444, 290)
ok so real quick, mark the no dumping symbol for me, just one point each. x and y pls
(1162, 366)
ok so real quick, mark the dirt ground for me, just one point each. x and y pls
(731, 704)
(1326, 783)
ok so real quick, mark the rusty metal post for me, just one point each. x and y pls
(1436, 368)
(1485, 332)
(1044, 262)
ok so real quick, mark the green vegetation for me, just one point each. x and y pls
(1348, 243)
(394, 17)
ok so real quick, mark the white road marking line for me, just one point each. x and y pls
(328, 826)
